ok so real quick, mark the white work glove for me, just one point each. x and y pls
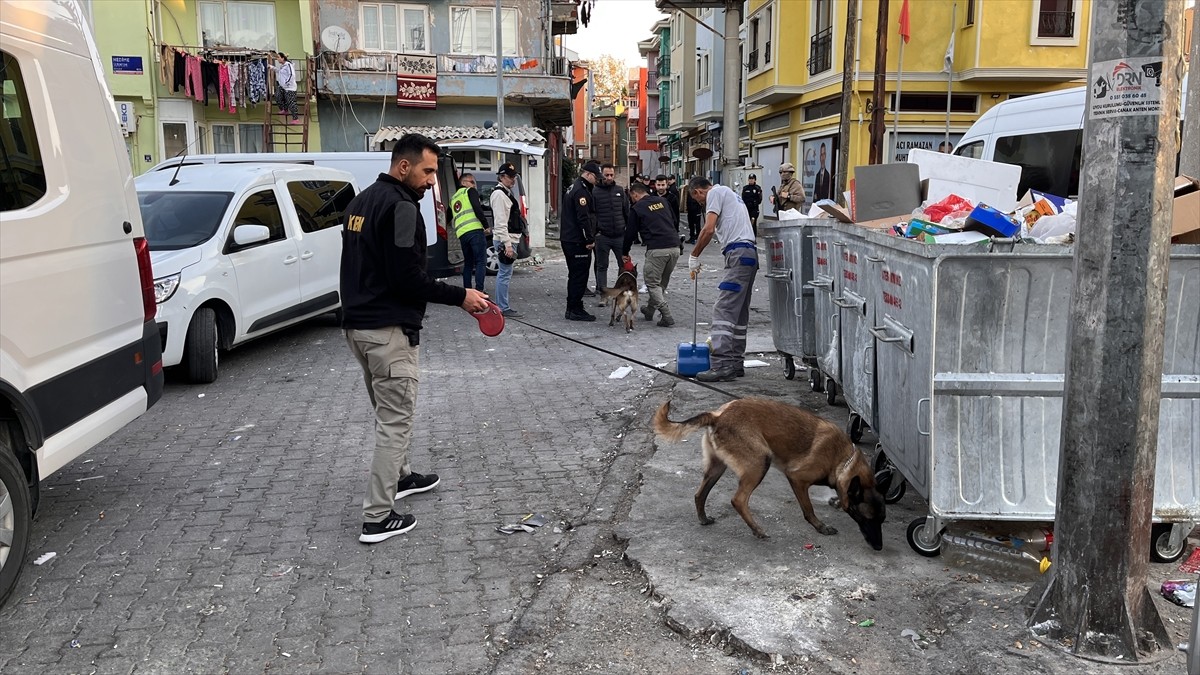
(694, 266)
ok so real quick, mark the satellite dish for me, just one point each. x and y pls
(336, 39)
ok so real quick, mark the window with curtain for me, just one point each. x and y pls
(237, 23)
(224, 138)
(251, 137)
(392, 27)
(473, 31)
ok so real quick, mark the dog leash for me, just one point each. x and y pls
(627, 358)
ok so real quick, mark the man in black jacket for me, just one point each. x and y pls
(612, 212)
(577, 234)
(384, 288)
(652, 219)
(752, 196)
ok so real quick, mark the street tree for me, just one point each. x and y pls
(611, 78)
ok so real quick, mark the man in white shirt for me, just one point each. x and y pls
(507, 228)
(726, 217)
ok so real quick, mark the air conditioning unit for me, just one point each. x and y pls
(127, 116)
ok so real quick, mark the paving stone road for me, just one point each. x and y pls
(218, 531)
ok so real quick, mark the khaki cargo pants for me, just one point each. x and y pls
(390, 368)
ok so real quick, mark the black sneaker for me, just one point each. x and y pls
(590, 292)
(512, 314)
(579, 315)
(665, 322)
(414, 483)
(394, 524)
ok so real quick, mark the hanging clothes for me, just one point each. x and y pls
(257, 80)
(223, 92)
(210, 75)
(231, 73)
(166, 66)
(179, 71)
(195, 80)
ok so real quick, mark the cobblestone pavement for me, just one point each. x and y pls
(218, 531)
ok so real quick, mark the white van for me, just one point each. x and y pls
(444, 253)
(1042, 133)
(79, 350)
(240, 251)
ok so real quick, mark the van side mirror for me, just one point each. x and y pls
(247, 234)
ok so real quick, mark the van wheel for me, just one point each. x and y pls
(16, 514)
(200, 347)
(492, 263)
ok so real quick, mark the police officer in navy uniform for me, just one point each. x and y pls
(577, 234)
(752, 195)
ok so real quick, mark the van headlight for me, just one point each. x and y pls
(164, 288)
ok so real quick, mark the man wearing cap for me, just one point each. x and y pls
(507, 228)
(727, 219)
(752, 196)
(651, 217)
(612, 213)
(577, 234)
(791, 191)
(470, 226)
(384, 288)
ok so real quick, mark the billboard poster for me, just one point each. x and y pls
(819, 167)
(923, 141)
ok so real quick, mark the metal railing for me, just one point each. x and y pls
(386, 62)
(820, 53)
(753, 63)
(664, 66)
(1056, 24)
(767, 54)
(664, 118)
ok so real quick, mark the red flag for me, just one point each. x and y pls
(904, 32)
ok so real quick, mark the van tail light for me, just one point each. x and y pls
(146, 274)
(524, 208)
(441, 233)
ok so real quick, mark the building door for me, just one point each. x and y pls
(770, 157)
(177, 131)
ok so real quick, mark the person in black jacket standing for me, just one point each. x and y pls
(384, 288)
(612, 212)
(652, 218)
(752, 196)
(577, 234)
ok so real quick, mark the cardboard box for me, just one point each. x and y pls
(883, 190)
(979, 181)
(832, 208)
(1185, 212)
(992, 222)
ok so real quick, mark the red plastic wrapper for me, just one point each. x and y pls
(950, 205)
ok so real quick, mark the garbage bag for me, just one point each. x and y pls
(952, 204)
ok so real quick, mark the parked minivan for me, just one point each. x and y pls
(79, 350)
(444, 254)
(1041, 133)
(240, 251)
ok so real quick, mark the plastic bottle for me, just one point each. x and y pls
(981, 554)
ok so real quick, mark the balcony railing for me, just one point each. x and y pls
(385, 62)
(753, 64)
(767, 54)
(1056, 24)
(664, 67)
(664, 119)
(820, 53)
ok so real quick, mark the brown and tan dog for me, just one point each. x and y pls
(747, 435)
(624, 298)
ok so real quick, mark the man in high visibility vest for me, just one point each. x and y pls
(471, 228)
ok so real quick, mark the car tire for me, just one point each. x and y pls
(16, 512)
(201, 345)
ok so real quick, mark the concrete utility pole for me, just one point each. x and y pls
(1189, 154)
(879, 91)
(842, 174)
(1096, 603)
(730, 119)
(499, 72)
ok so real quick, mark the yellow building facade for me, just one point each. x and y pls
(795, 55)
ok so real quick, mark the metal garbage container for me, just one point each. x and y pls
(826, 333)
(970, 374)
(789, 270)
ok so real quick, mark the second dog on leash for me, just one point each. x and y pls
(624, 297)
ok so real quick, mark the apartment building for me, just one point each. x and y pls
(968, 55)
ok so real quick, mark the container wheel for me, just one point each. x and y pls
(882, 463)
(854, 427)
(816, 381)
(916, 539)
(1161, 550)
(789, 367)
(896, 490)
(831, 391)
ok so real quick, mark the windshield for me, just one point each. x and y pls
(176, 220)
